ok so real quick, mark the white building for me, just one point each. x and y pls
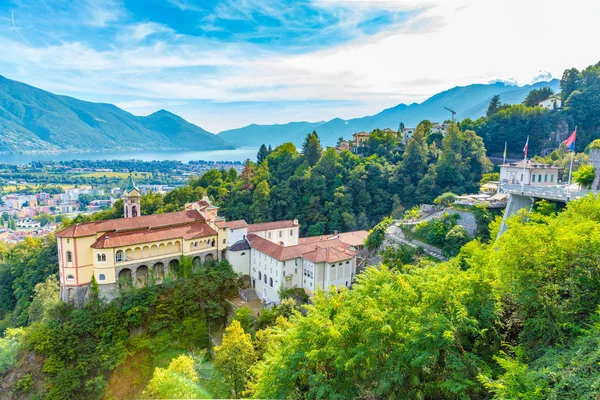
(274, 256)
(309, 266)
(534, 173)
(407, 133)
(553, 102)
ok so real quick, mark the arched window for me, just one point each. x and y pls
(70, 278)
(99, 257)
(243, 254)
(259, 276)
(265, 278)
(69, 257)
(101, 277)
(119, 256)
(271, 282)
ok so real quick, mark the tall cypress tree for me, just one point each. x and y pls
(312, 149)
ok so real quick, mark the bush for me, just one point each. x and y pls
(377, 234)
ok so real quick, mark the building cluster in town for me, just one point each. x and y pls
(138, 250)
(20, 212)
(360, 140)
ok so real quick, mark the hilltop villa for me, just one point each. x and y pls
(529, 173)
(140, 250)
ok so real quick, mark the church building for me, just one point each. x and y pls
(140, 250)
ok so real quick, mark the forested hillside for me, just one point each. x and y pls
(580, 93)
(502, 320)
(35, 120)
(329, 191)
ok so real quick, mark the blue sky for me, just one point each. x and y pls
(225, 64)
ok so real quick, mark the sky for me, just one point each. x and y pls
(229, 63)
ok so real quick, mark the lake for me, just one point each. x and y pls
(240, 154)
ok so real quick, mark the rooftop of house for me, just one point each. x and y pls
(268, 226)
(530, 165)
(139, 236)
(354, 238)
(154, 221)
(283, 253)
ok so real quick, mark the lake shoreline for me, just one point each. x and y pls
(236, 155)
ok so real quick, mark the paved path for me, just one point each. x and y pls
(395, 235)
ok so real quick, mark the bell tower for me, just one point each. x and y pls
(131, 200)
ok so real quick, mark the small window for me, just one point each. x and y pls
(280, 233)
(265, 278)
(291, 232)
(532, 178)
(69, 257)
(271, 282)
(546, 178)
(551, 178)
(70, 278)
(347, 262)
(99, 258)
(101, 277)
(332, 265)
(243, 254)
(269, 234)
(224, 241)
(259, 275)
(67, 240)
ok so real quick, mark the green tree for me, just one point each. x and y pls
(445, 199)
(494, 105)
(585, 175)
(262, 154)
(311, 148)
(537, 95)
(235, 357)
(260, 202)
(46, 297)
(178, 381)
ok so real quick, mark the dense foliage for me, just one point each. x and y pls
(329, 191)
(503, 319)
(580, 91)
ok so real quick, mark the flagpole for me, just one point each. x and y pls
(571, 166)
(524, 164)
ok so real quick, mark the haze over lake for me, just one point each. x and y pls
(240, 154)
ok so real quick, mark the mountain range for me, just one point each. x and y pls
(468, 101)
(33, 120)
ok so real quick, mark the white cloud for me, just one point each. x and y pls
(139, 32)
(449, 43)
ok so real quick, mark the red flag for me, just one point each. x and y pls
(570, 142)
(526, 147)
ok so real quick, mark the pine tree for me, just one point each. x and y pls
(263, 152)
(494, 105)
(311, 148)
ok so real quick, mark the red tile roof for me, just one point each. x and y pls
(267, 226)
(123, 224)
(354, 238)
(237, 224)
(329, 254)
(140, 236)
(283, 253)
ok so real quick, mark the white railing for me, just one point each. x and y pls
(546, 192)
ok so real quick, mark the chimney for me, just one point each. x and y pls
(295, 221)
